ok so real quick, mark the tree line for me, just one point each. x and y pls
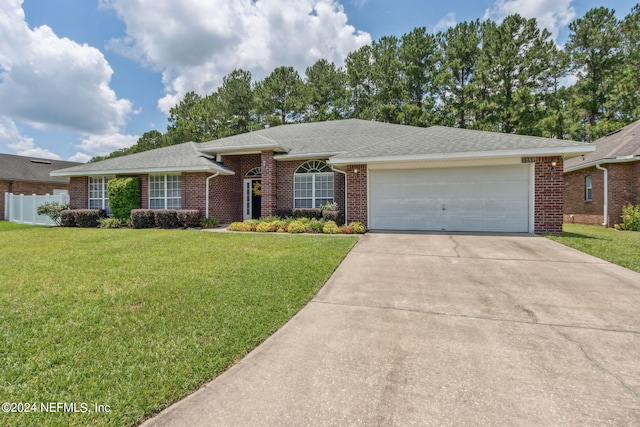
(507, 77)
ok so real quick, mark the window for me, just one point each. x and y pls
(98, 196)
(312, 185)
(164, 192)
(588, 189)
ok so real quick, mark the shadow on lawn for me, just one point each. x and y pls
(578, 236)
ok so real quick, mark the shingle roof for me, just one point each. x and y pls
(621, 145)
(31, 169)
(340, 140)
(439, 141)
(174, 158)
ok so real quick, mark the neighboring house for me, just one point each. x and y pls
(390, 177)
(30, 175)
(598, 184)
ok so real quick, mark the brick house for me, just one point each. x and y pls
(390, 177)
(29, 175)
(598, 184)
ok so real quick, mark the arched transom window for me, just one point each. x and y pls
(255, 172)
(312, 185)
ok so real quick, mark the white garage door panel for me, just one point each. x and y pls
(455, 199)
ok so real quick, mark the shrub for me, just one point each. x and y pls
(209, 222)
(271, 218)
(239, 226)
(143, 218)
(280, 225)
(346, 229)
(166, 218)
(189, 218)
(307, 213)
(329, 206)
(252, 224)
(68, 218)
(331, 228)
(358, 227)
(111, 222)
(335, 216)
(284, 213)
(124, 196)
(315, 226)
(89, 218)
(53, 210)
(296, 227)
(631, 217)
(266, 227)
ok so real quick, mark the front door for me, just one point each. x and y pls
(252, 198)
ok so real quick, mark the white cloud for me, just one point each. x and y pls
(195, 43)
(550, 14)
(53, 82)
(79, 157)
(105, 144)
(447, 21)
(20, 144)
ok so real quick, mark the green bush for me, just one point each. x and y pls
(124, 196)
(88, 218)
(335, 216)
(358, 227)
(266, 227)
(307, 213)
(143, 218)
(190, 218)
(53, 210)
(315, 226)
(166, 218)
(209, 222)
(296, 227)
(330, 227)
(252, 224)
(630, 218)
(68, 218)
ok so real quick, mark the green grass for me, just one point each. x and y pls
(137, 319)
(618, 247)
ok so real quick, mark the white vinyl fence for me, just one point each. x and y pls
(24, 209)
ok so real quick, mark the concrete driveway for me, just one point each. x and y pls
(444, 329)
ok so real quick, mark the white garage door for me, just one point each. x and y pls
(492, 198)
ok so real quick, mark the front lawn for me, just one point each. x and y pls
(618, 247)
(136, 319)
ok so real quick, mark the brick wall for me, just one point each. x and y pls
(624, 187)
(269, 184)
(194, 194)
(357, 193)
(79, 192)
(548, 200)
(27, 188)
(225, 192)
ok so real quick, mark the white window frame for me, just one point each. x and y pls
(98, 195)
(318, 173)
(588, 188)
(162, 189)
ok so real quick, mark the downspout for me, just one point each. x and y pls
(345, 192)
(206, 215)
(606, 194)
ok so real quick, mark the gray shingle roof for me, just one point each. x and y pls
(31, 169)
(175, 158)
(621, 145)
(339, 140)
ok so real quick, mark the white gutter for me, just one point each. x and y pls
(621, 159)
(606, 194)
(207, 192)
(345, 192)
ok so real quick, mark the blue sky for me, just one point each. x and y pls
(80, 78)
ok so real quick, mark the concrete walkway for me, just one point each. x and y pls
(444, 329)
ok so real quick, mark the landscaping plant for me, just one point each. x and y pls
(124, 196)
(53, 210)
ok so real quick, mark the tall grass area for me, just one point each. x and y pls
(618, 247)
(137, 319)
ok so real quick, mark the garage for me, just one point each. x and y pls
(486, 199)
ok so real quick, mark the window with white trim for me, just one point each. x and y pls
(312, 185)
(165, 192)
(98, 196)
(588, 189)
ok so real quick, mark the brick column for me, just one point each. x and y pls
(548, 195)
(357, 193)
(79, 192)
(269, 183)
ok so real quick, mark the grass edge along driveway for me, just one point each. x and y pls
(618, 247)
(134, 320)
